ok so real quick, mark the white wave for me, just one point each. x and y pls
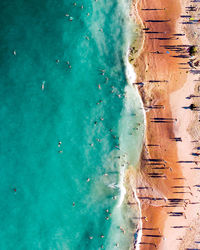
(131, 137)
(130, 73)
(131, 145)
(113, 186)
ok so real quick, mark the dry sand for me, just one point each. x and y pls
(167, 82)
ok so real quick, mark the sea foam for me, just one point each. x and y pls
(131, 135)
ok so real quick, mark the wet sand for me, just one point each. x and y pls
(166, 178)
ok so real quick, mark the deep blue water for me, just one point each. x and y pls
(53, 74)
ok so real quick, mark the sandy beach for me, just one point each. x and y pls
(169, 174)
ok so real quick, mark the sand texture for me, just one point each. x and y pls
(169, 174)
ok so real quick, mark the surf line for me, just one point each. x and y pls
(131, 78)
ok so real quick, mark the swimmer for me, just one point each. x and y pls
(102, 236)
(105, 174)
(73, 204)
(92, 144)
(117, 244)
(88, 179)
(121, 228)
(74, 4)
(87, 38)
(60, 152)
(100, 101)
(99, 86)
(71, 19)
(107, 211)
(14, 53)
(57, 61)
(88, 14)
(90, 237)
(101, 118)
(43, 85)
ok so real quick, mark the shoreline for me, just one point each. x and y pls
(164, 83)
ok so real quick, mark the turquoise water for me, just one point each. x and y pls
(63, 114)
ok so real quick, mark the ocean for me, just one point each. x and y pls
(71, 124)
